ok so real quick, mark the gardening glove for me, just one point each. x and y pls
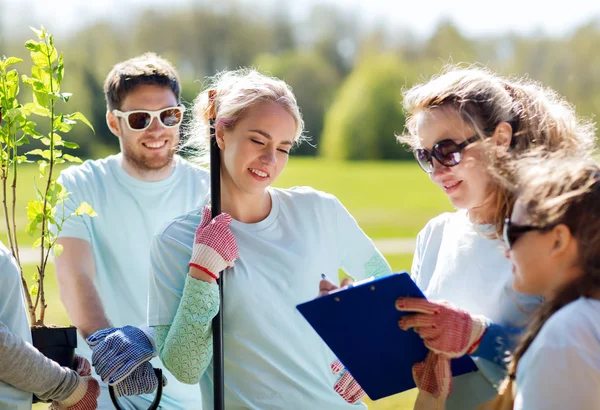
(141, 381)
(214, 247)
(117, 352)
(448, 332)
(85, 395)
(346, 386)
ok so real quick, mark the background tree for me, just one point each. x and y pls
(365, 117)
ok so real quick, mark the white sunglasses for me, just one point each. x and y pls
(139, 120)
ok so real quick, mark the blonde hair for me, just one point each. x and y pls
(538, 116)
(556, 189)
(235, 92)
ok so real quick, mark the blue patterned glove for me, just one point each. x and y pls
(117, 352)
(141, 381)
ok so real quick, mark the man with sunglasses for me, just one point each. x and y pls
(103, 271)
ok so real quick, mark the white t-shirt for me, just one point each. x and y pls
(561, 368)
(129, 213)
(273, 357)
(13, 314)
(454, 262)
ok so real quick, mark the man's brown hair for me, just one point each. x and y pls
(147, 69)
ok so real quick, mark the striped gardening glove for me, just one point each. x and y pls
(448, 332)
(85, 395)
(121, 358)
(214, 247)
(346, 386)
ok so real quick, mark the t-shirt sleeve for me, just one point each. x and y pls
(72, 226)
(563, 377)
(168, 269)
(358, 255)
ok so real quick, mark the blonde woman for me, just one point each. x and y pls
(273, 245)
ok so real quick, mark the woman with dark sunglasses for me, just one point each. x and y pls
(462, 124)
(553, 238)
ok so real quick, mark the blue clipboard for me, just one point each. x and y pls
(360, 326)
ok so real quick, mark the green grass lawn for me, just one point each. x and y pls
(388, 199)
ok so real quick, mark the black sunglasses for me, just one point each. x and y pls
(447, 152)
(512, 232)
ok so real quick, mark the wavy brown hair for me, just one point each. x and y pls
(539, 117)
(557, 190)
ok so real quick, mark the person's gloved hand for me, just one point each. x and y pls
(448, 332)
(141, 381)
(445, 329)
(117, 352)
(346, 386)
(433, 378)
(85, 395)
(214, 244)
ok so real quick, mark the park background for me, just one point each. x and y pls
(347, 63)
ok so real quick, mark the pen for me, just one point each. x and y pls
(325, 277)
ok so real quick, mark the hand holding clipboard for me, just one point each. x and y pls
(379, 355)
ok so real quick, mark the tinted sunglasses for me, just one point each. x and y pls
(447, 152)
(512, 232)
(139, 120)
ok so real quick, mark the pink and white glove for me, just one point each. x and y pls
(214, 247)
(448, 332)
(346, 386)
(85, 395)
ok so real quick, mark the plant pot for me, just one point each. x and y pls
(57, 343)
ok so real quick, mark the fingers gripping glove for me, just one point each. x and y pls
(84, 397)
(448, 332)
(346, 386)
(83, 367)
(141, 381)
(214, 247)
(117, 352)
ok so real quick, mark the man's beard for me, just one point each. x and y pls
(145, 164)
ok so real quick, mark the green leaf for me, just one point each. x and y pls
(71, 158)
(10, 61)
(33, 230)
(13, 113)
(37, 109)
(29, 129)
(32, 45)
(65, 96)
(40, 33)
(79, 116)
(41, 75)
(70, 145)
(60, 69)
(33, 290)
(37, 243)
(21, 159)
(23, 140)
(58, 249)
(34, 208)
(42, 167)
(85, 209)
(35, 152)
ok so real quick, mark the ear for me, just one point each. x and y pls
(113, 124)
(503, 134)
(220, 135)
(562, 240)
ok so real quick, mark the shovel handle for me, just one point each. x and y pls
(155, 403)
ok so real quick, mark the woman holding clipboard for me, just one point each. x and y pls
(461, 124)
(273, 245)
